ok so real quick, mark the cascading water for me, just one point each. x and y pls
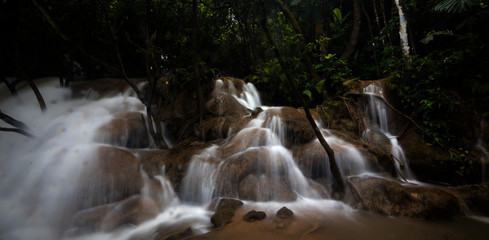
(73, 182)
(256, 164)
(65, 168)
(376, 112)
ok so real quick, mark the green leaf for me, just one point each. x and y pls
(319, 85)
(308, 93)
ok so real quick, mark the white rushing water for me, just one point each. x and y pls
(49, 184)
(377, 112)
(273, 173)
(42, 178)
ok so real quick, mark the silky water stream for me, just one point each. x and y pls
(377, 122)
(49, 181)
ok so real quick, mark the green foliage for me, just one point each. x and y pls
(450, 6)
(335, 72)
(183, 78)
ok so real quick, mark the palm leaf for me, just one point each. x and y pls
(455, 6)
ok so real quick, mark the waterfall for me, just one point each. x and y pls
(68, 170)
(257, 162)
(85, 174)
(376, 113)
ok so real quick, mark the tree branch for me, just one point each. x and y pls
(12, 121)
(389, 105)
(338, 178)
(17, 130)
(20, 127)
(39, 97)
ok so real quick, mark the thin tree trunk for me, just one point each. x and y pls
(384, 18)
(39, 97)
(372, 38)
(377, 20)
(355, 32)
(403, 28)
(153, 118)
(337, 176)
(323, 6)
(297, 28)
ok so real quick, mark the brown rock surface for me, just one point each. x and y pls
(390, 198)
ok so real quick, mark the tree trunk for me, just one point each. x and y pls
(200, 96)
(337, 176)
(355, 32)
(403, 29)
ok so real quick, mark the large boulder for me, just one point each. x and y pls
(226, 105)
(131, 211)
(257, 174)
(476, 197)
(389, 197)
(429, 162)
(377, 139)
(114, 175)
(352, 157)
(173, 161)
(298, 128)
(126, 129)
(226, 114)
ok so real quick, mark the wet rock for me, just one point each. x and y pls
(227, 105)
(285, 213)
(225, 211)
(253, 215)
(265, 189)
(175, 160)
(312, 159)
(180, 235)
(131, 211)
(390, 198)
(126, 129)
(244, 139)
(257, 174)
(228, 85)
(298, 130)
(113, 176)
(476, 197)
(377, 139)
(225, 114)
(428, 162)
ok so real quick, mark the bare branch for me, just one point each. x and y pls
(17, 130)
(12, 121)
(389, 105)
(20, 127)
(39, 97)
